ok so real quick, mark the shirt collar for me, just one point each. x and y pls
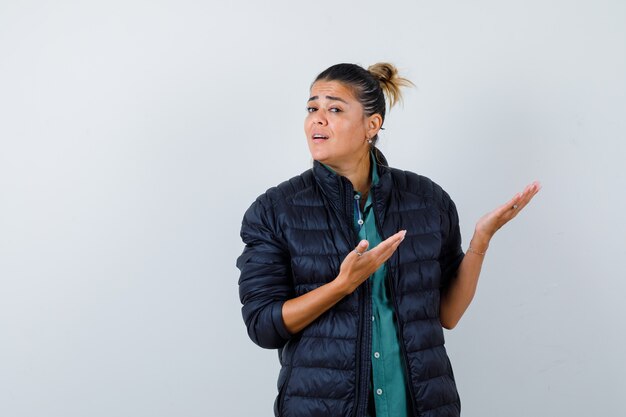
(373, 168)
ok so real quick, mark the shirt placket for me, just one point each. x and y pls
(362, 224)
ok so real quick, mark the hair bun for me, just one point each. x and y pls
(390, 81)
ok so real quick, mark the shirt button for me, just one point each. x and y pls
(373, 318)
(379, 391)
(360, 222)
(357, 197)
(376, 355)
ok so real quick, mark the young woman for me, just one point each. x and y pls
(353, 268)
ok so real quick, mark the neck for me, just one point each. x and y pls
(358, 172)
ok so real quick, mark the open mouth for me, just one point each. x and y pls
(319, 136)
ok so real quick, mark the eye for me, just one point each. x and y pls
(311, 109)
(334, 110)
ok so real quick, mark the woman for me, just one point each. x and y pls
(352, 268)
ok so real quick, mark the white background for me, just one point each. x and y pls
(134, 134)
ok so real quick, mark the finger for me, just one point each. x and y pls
(524, 197)
(507, 211)
(521, 199)
(530, 191)
(397, 237)
(394, 239)
(360, 248)
(384, 250)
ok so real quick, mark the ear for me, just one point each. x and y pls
(373, 124)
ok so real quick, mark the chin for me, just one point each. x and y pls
(319, 155)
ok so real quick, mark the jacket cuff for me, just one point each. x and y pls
(277, 320)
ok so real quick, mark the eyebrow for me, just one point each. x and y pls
(329, 98)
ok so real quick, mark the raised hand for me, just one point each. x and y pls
(459, 294)
(491, 222)
(361, 263)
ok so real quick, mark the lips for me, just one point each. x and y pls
(319, 136)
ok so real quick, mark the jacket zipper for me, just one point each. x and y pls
(362, 297)
(357, 395)
(392, 288)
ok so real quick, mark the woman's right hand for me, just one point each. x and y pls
(360, 263)
(301, 311)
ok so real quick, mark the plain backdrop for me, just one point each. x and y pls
(134, 135)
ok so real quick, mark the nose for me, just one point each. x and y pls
(319, 118)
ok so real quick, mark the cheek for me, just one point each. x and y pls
(357, 130)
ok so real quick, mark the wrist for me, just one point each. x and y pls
(340, 286)
(479, 243)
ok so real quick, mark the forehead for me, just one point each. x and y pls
(323, 88)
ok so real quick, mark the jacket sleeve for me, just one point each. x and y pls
(451, 253)
(265, 281)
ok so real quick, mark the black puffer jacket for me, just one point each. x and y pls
(296, 235)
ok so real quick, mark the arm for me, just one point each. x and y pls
(265, 279)
(460, 292)
(270, 310)
(301, 311)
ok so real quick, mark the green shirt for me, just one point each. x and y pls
(388, 382)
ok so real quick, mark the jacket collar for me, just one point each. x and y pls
(339, 189)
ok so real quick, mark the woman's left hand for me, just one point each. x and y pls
(461, 290)
(491, 222)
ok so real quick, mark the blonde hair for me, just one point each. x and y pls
(389, 80)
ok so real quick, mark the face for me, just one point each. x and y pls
(336, 127)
